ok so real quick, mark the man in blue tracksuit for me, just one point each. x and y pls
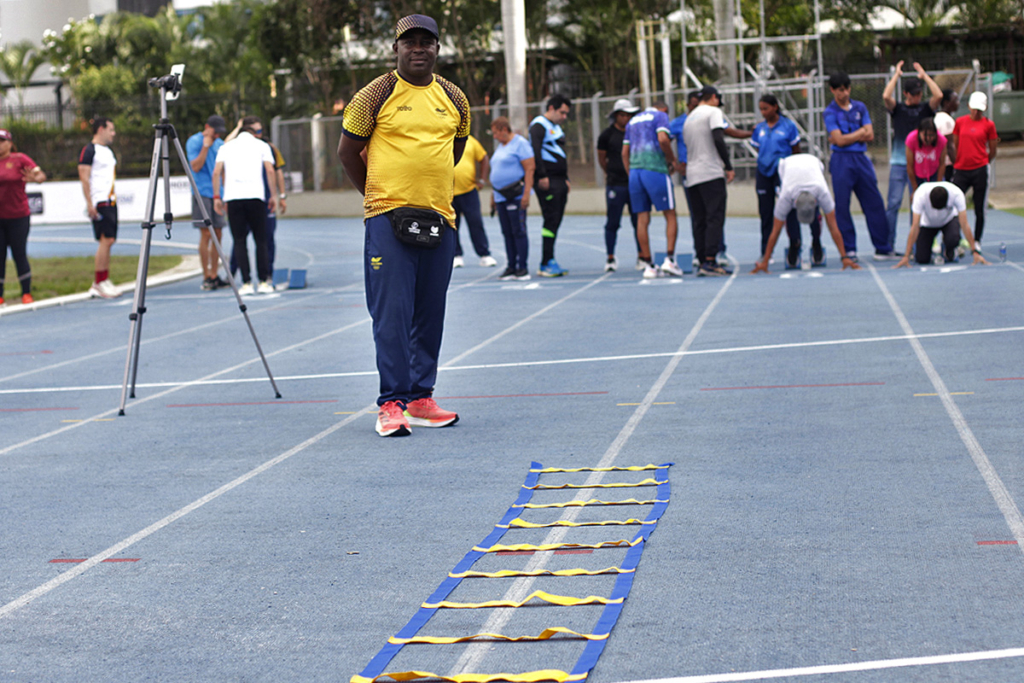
(551, 177)
(849, 129)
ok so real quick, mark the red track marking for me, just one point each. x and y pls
(109, 559)
(571, 393)
(30, 410)
(799, 386)
(24, 353)
(258, 403)
(575, 551)
(1005, 379)
(997, 542)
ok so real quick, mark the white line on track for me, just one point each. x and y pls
(153, 340)
(995, 485)
(91, 562)
(474, 653)
(523, 364)
(873, 665)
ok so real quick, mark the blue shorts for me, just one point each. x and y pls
(650, 187)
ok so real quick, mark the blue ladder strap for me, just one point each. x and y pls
(419, 620)
(623, 584)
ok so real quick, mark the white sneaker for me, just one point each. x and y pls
(722, 259)
(105, 289)
(670, 267)
(641, 264)
(487, 262)
(457, 262)
(246, 289)
(611, 266)
(650, 272)
(265, 287)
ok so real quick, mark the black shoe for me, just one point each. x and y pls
(523, 274)
(219, 283)
(817, 253)
(792, 255)
(207, 284)
(509, 274)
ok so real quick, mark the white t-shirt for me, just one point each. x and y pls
(938, 218)
(243, 160)
(802, 173)
(702, 160)
(102, 164)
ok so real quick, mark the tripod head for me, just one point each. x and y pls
(171, 83)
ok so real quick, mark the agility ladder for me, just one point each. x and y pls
(613, 604)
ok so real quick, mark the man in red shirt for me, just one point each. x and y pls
(975, 141)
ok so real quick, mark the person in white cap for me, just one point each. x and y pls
(803, 188)
(938, 208)
(616, 183)
(975, 142)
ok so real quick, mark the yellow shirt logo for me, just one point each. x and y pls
(376, 262)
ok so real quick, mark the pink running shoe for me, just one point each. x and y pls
(424, 412)
(391, 421)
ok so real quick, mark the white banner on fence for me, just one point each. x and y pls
(63, 202)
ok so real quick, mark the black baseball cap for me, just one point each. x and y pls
(217, 123)
(414, 21)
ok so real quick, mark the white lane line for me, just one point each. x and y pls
(995, 485)
(523, 364)
(139, 401)
(153, 340)
(873, 665)
(474, 653)
(79, 569)
(527, 319)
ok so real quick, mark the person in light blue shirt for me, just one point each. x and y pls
(776, 138)
(201, 150)
(512, 167)
(849, 129)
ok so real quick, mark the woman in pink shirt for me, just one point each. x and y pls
(926, 154)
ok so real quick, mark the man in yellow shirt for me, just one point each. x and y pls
(413, 127)
(467, 201)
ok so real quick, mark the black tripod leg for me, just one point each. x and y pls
(220, 255)
(139, 301)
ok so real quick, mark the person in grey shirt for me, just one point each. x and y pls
(707, 170)
(803, 188)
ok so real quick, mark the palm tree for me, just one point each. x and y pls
(18, 62)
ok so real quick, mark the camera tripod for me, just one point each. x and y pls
(161, 158)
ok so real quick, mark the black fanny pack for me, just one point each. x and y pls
(512, 191)
(422, 228)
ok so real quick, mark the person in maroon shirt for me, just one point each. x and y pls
(16, 169)
(975, 141)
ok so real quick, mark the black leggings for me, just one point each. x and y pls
(950, 239)
(976, 178)
(14, 235)
(245, 215)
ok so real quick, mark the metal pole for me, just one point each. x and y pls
(682, 31)
(319, 152)
(645, 76)
(666, 68)
(595, 131)
(513, 20)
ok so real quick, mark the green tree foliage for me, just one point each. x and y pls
(18, 62)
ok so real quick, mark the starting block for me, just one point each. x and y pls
(823, 262)
(685, 262)
(297, 279)
(798, 264)
(280, 280)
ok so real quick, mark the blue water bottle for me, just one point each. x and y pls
(1002, 252)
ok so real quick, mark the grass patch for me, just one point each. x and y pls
(1015, 212)
(72, 274)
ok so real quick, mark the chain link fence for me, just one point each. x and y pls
(309, 144)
